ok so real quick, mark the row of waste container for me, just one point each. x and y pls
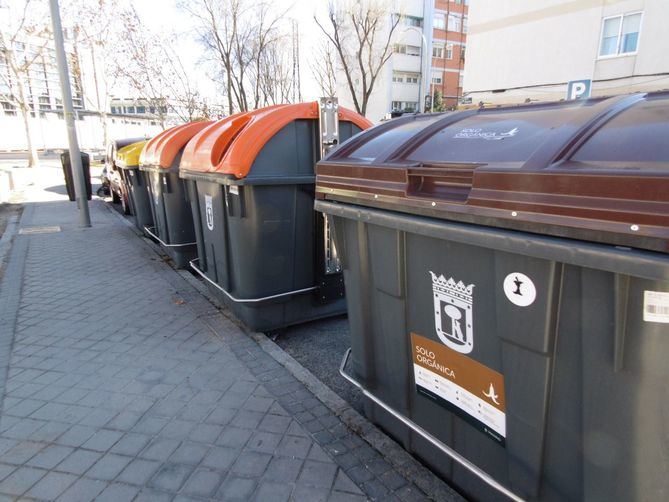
(506, 273)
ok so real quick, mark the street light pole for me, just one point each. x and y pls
(68, 109)
(421, 89)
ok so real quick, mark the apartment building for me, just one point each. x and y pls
(531, 51)
(449, 42)
(428, 57)
(43, 96)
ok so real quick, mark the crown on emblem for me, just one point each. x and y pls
(451, 288)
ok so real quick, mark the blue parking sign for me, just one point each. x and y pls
(579, 89)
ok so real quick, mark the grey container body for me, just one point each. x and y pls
(140, 201)
(585, 376)
(171, 212)
(260, 236)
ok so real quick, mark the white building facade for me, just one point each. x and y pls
(530, 51)
(43, 96)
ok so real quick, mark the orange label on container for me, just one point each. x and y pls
(470, 389)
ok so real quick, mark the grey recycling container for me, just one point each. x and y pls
(135, 184)
(171, 213)
(69, 176)
(507, 280)
(261, 247)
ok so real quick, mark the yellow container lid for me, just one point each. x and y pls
(128, 156)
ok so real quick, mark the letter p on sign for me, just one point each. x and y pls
(578, 89)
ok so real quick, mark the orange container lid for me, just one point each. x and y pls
(161, 150)
(231, 145)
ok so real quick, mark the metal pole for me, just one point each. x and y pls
(68, 108)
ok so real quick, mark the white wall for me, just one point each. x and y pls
(51, 133)
(549, 42)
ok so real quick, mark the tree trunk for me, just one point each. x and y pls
(33, 160)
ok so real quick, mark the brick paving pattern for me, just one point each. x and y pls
(119, 381)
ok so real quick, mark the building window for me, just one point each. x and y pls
(453, 22)
(130, 109)
(413, 50)
(405, 106)
(400, 49)
(439, 22)
(464, 24)
(461, 80)
(141, 109)
(437, 51)
(412, 78)
(449, 51)
(620, 35)
(462, 51)
(437, 77)
(9, 108)
(398, 77)
(412, 21)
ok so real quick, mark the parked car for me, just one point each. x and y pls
(116, 187)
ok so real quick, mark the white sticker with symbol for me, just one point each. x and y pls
(519, 289)
(656, 306)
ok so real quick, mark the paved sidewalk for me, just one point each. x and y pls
(119, 381)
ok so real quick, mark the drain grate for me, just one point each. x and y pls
(39, 230)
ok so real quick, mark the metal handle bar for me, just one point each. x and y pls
(151, 232)
(247, 300)
(481, 474)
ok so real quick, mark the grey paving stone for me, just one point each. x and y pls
(21, 480)
(79, 461)
(160, 449)
(22, 452)
(265, 442)
(50, 456)
(236, 488)
(251, 463)
(317, 474)
(50, 431)
(189, 453)
(76, 435)
(282, 469)
(205, 433)
(124, 421)
(203, 482)
(150, 425)
(117, 492)
(310, 493)
(220, 457)
(131, 444)
(83, 490)
(276, 492)
(337, 496)
(151, 495)
(139, 471)
(234, 437)
(275, 423)
(6, 470)
(170, 477)
(51, 486)
(108, 467)
(102, 440)
(292, 446)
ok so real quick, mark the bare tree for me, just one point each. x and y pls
(324, 69)
(26, 23)
(361, 32)
(241, 37)
(95, 28)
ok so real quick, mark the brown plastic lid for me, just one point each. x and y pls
(231, 145)
(596, 169)
(161, 150)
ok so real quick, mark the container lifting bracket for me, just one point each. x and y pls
(328, 124)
